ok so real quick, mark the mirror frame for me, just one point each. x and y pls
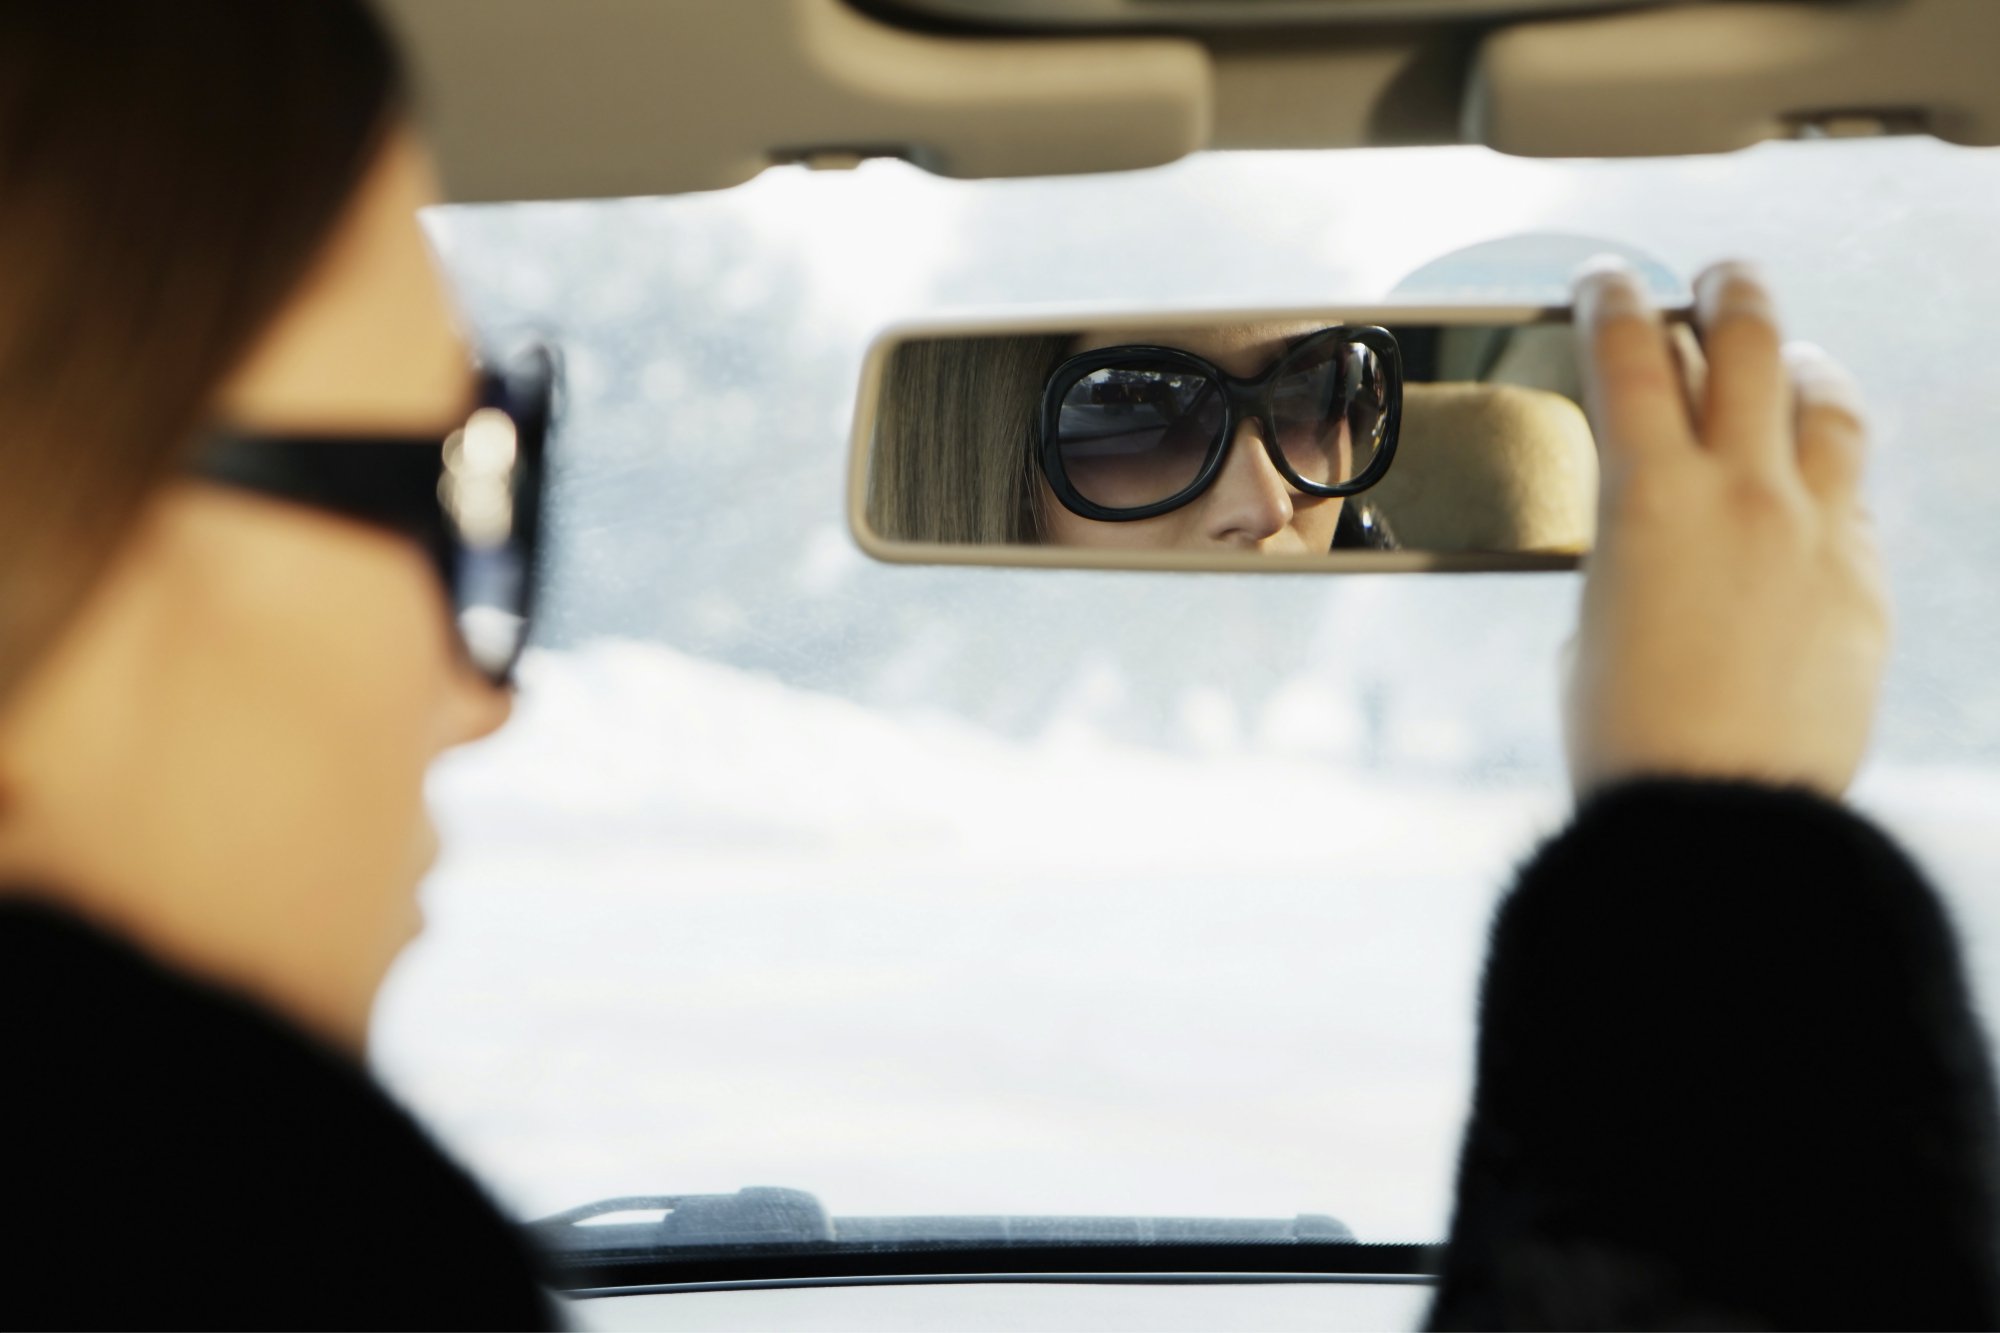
(1043, 319)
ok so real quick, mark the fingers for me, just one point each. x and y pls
(1832, 428)
(1632, 389)
(1746, 414)
(1693, 366)
(1780, 413)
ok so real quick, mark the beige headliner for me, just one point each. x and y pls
(533, 99)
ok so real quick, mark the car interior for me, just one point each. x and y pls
(861, 928)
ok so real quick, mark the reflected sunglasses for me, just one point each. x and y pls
(472, 500)
(1133, 431)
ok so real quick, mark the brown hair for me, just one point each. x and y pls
(954, 457)
(168, 172)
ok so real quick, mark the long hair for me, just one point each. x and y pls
(954, 458)
(168, 172)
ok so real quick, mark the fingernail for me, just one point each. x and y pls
(1600, 264)
(1719, 280)
(1819, 376)
(1606, 285)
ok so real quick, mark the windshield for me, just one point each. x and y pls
(1009, 892)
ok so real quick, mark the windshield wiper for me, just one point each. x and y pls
(764, 1235)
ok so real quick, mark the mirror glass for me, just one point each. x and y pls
(1387, 439)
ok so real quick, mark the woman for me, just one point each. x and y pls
(228, 652)
(962, 455)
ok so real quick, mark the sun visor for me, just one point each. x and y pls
(527, 99)
(1710, 78)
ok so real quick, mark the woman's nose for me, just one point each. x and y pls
(1250, 500)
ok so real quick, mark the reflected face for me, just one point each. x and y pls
(1249, 506)
(254, 692)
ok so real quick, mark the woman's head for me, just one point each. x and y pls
(1130, 450)
(216, 709)
(959, 449)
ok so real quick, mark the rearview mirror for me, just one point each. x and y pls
(1389, 438)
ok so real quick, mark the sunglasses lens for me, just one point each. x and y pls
(1330, 409)
(1131, 436)
(489, 615)
(491, 491)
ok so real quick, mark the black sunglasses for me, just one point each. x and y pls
(1133, 431)
(472, 500)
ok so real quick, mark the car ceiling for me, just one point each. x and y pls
(551, 99)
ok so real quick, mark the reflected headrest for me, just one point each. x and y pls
(1490, 467)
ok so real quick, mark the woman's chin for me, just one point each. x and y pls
(423, 860)
(428, 847)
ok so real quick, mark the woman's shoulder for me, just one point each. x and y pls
(225, 1168)
(91, 1012)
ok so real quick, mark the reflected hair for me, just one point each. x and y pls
(954, 453)
(168, 174)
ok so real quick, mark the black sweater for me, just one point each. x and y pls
(176, 1158)
(1728, 1077)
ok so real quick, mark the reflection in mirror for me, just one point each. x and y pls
(1280, 436)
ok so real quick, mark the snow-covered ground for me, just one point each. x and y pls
(698, 930)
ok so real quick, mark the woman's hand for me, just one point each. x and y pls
(1734, 617)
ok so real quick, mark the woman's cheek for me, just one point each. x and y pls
(1317, 523)
(338, 637)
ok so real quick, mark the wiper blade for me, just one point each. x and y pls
(765, 1234)
(767, 1216)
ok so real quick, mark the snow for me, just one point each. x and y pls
(698, 930)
